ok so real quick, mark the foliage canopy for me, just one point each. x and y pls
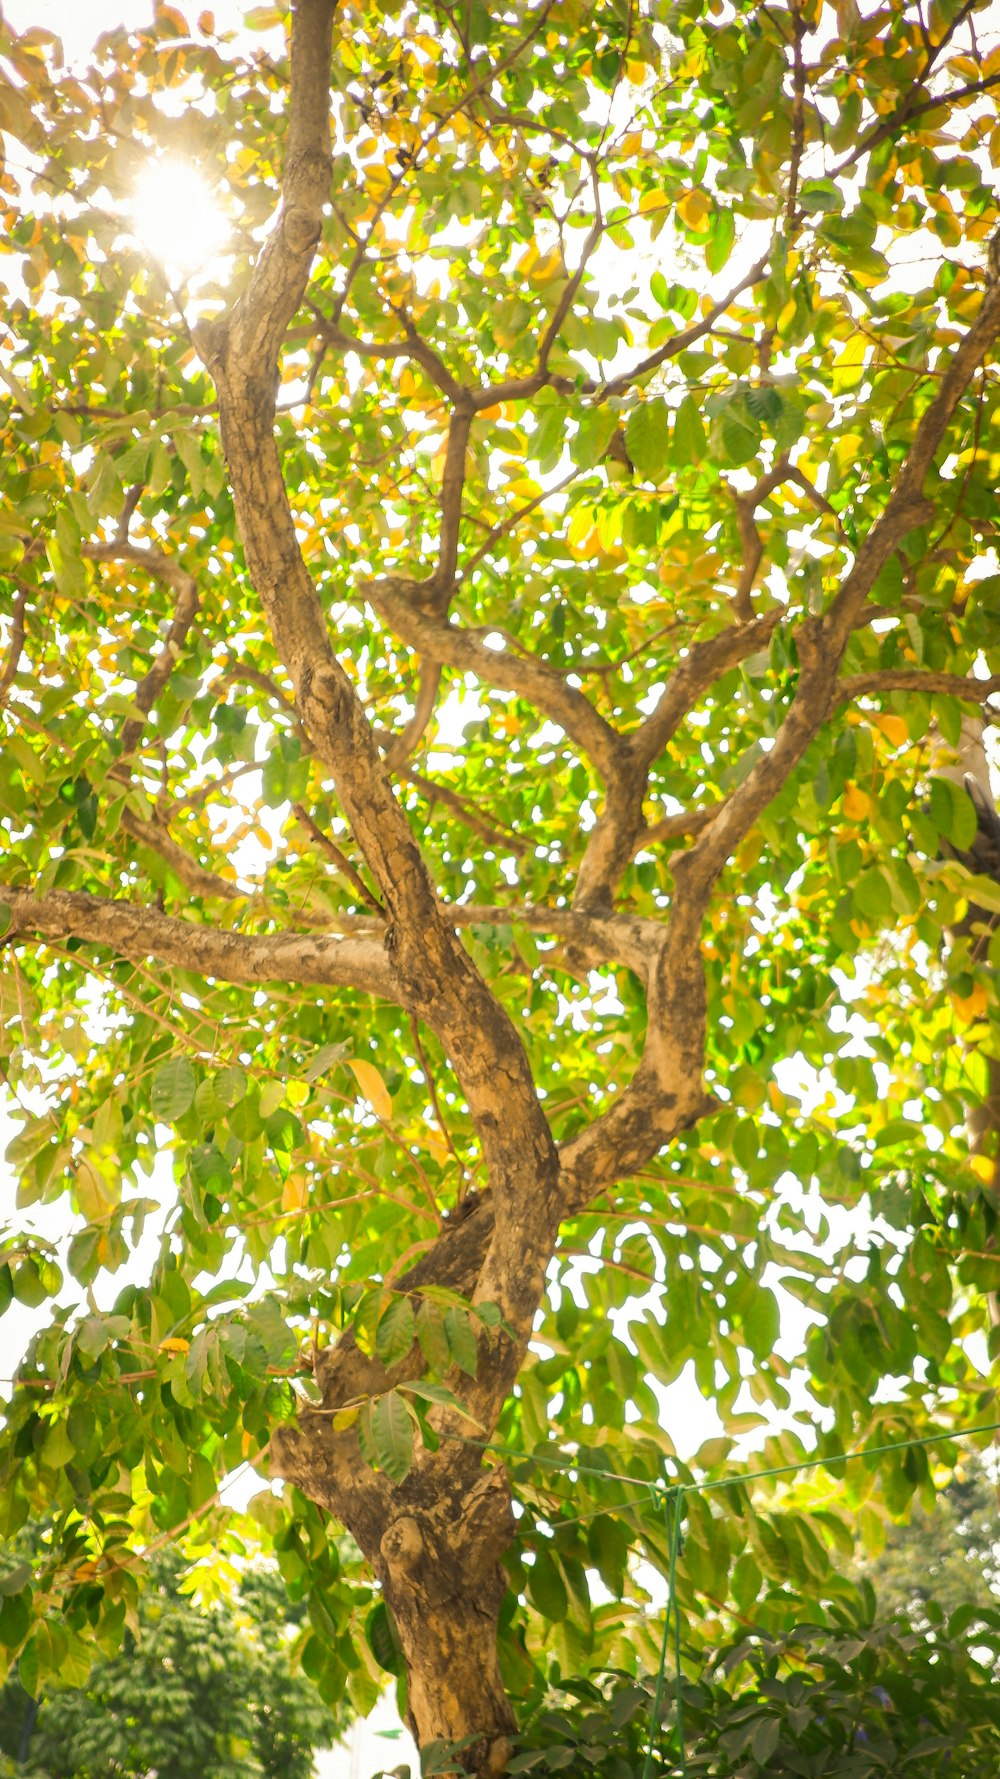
(490, 663)
(206, 1689)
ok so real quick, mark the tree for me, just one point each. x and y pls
(207, 1690)
(948, 1556)
(615, 382)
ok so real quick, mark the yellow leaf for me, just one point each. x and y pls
(849, 365)
(377, 181)
(98, 1189)
(857, 803)
(970, 1007)
(893, 728)
(548, 268)
(174, 1343)
(693, 209)
(437, 1145)
(983, 1167)
(295, 1193)
(373, 1087)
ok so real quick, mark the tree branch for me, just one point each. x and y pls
(822, 641)
(162, 568)
(455, 645)
(917, 679)
(139, 933)
(17, 635)
(908, 110)
(436, 975)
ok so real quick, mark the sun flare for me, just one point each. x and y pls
(176, 217)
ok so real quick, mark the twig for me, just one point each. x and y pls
(17, 637)
(340, 859)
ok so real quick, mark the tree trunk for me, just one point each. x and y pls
(434, 1542)
(443, 1582)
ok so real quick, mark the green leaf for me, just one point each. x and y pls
(723, 235)
(396, 1331)
(173, 1089)
(15, 1619)
(737, 434)
(872, 896)
(433, 1336)
(382, 1639)
(765, 1739)
(15, 1579)
(592, 437)
(438, 1393)
(647, 438)
(546, 1588)
(953, 813)
(392, 1435)
(689, 442)
(461, 1340)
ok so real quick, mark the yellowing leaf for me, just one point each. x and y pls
(857, 803)
(295, 1193)
(893, 728)
(693, 209)
(983, 1167)
(98, 1189)
(174, 1343)
(849, 365)
(544, 270)
(973, 1006)
(372, 1086)
(437, 1145)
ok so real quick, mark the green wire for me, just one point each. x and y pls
(672, 1615)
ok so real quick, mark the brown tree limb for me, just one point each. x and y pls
(450, 505)
(198, 879)
(615, 839)
(343, 864)
(912, 107)
(138, 933)
(162, 568)
(504, 839)
(398, 748)
(703, 664)
(437, 977)
(682, 826)
(918, 679)
(522, 388)
(822, 641)
(459, 646)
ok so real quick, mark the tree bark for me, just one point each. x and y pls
(434, 1543)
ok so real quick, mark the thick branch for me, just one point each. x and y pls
(138, 933)
(615, 840)
(822, 641)
(455, 645)
(704, 663)
(398, 749)
(197, 878)
(437, 977)
(917, 679)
